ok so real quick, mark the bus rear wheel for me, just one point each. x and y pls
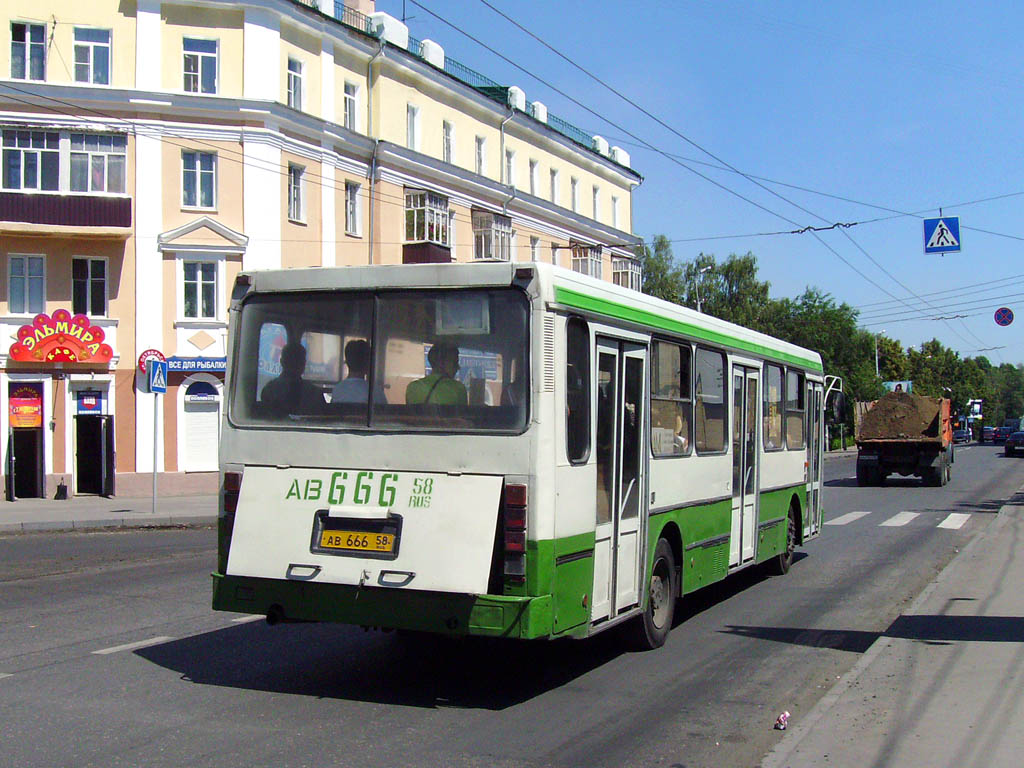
(779, 565)
(653, 626)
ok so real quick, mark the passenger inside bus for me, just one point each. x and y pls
(354, 388)
(290, 392)
(440, 387)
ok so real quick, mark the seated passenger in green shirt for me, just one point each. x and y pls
(440, 387)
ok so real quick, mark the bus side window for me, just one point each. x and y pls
(577, 390)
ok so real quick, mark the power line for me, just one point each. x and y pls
(685, 138)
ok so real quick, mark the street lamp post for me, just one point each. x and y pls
(876, 350)
(697, 281)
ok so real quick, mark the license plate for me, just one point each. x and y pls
(357, 541)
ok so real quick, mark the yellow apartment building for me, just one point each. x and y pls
(152, 149)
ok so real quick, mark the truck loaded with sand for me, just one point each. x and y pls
(906, 434)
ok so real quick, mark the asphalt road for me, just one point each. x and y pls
(110, 655)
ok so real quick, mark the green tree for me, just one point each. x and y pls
(730, 290)
(662, 276)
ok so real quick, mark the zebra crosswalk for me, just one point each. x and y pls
(952, 521)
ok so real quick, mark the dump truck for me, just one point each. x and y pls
(905, 434)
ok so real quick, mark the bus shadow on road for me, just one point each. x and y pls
(346, 663)
(931, 629)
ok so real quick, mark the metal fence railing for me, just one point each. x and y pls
(467, 75)
(571, 131)
(352, 17)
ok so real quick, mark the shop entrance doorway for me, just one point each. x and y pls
(94, 454)
(26, 456)
(26, 469)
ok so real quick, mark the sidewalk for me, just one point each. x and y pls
(944, 685)
(81, 512)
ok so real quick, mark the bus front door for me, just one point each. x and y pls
(745, 401)
(815, 439)
(621, 514)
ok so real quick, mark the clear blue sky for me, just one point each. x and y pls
(910, 106)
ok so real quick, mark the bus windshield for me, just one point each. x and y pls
(451, 360)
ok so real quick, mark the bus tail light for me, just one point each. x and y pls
(232, 486)
(514, 533)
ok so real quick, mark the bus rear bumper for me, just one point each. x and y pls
(439, 612)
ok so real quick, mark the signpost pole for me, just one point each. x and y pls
(156, 378)
(156, 399)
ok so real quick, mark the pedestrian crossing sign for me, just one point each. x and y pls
(157, 370)
(942, 235)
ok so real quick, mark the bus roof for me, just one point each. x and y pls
(559, 287)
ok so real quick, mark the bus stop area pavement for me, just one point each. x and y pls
(944, 684)
(91, 512)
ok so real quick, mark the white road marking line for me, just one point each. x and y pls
(849, 517)
(900, 518)
(5, 674)
(955, 520)
(133, 646)
(243, 619)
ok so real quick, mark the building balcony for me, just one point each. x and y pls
(90, 213)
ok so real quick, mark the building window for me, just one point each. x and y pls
(774, 399)
(412, 126)
(710, 412)
(671, 405)
(25, 284)
(426, 217)
(31, 160)
(98, 162)
(92, 56)
(199, 179)
(200, 295)
(615, 212)
(351, 90)
(510, 167)
(554, 186)
(481, 155)
(447, 149)
(577, 390)
(294, 83)
(626, 272)
(295, 208)
(28, 51)
(574, 194)
(795, 410)
(89, 286)
(492, 236)
(534, 249)
(200, 65)
(534, 177)
(351, 208)
(597, 203)
(586, 259)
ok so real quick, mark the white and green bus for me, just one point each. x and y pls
(502, 449)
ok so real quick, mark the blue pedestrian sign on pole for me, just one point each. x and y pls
(942, 235)
(157, 370)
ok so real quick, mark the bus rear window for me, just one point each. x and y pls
(406, 360)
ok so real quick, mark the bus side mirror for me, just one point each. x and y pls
(838, 407)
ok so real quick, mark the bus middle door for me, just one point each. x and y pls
(745, 400)
(621, 514)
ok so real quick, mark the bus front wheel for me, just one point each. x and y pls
(653, 626)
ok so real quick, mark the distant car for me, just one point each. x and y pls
(1014, 443)
(1001, 433)
(987, 434)
(961, 436)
